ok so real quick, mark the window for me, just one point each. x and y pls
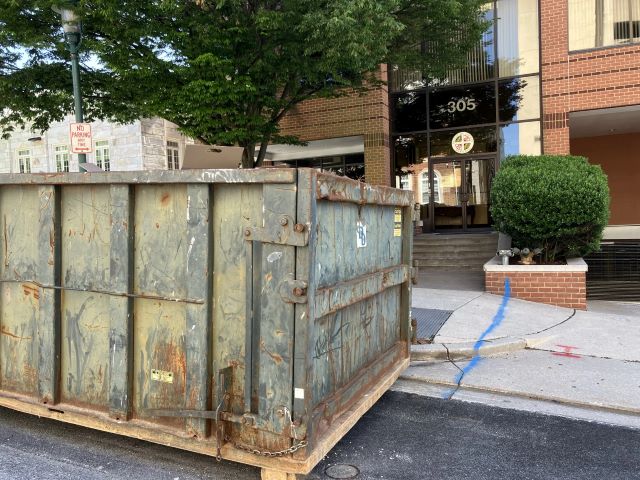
(173, 155)
(24, 161)
(520, 139)
(350, 166)
(426, 191)
(405, 182)
(518, 37)
(103, 157)
(480, 65)
(603, 23)
(62, 158)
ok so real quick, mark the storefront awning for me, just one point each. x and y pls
(316, 148)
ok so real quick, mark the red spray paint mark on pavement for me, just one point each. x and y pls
(567, 352)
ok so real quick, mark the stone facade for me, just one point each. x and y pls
(137, 146)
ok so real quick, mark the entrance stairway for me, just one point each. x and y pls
(454, 252)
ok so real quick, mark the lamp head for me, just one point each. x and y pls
(70, 21)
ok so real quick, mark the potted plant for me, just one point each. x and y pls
(555, 207)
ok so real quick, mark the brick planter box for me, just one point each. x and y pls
(561, 285)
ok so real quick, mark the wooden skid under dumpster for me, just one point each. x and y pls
(252, 315)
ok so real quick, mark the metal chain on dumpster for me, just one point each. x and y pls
(265, 453)
(280, 453)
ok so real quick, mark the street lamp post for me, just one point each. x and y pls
(73, 37)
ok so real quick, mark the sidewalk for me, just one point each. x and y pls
(531, 356)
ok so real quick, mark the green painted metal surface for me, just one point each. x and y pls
(123, 296)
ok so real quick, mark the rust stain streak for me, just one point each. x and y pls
(4, 331)
(274, 356)
(29, 290)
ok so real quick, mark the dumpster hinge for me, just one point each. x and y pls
(293, 291)
(286, 232)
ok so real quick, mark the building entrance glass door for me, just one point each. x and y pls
(460, 193)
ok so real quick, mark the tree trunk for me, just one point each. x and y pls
(262, 152)
(249, 154)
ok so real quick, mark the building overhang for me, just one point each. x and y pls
(605, 121)
(316, 148)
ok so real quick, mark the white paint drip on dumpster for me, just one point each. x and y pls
(274, 257)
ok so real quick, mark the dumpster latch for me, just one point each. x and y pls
(285, 232)
(293, 291)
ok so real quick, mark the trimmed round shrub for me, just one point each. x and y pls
(559, 203)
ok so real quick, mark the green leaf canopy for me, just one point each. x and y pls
(224, 71)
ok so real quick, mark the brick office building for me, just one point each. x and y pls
(549, 76)
(558, 70)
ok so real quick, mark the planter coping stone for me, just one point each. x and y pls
(573, 265)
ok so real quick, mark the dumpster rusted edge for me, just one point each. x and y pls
(342, 189)
(267, 175)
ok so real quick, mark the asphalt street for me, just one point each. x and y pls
(404, 436)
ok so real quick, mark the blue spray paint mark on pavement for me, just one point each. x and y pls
(497, 320)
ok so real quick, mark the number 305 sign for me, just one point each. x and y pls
(462, 105)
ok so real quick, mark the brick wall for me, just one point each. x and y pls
(600, 78)
(564, 289)
(353, 114)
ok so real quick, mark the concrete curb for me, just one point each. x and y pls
(462, 351)
(559, 400)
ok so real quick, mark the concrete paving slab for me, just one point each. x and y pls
(619, 308)
(521, 318)
(440, 279)
(579, 381)
(441, 299)
(594, 334)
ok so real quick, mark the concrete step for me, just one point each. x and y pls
(462, 251)
(449, 264)
(480, 258)
(466, 240)
(454, 249)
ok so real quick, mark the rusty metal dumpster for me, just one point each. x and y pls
(249, 315)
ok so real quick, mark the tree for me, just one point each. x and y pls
(225, 71)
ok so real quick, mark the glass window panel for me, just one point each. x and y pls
(425, 189)
(519, 99)
(520, 139)
(484, 140)
(600, 23)
(410, 112)
(401, 79)
(410, 150)
(518, 37)
(404, 152)
(480, 59)
(459, 106)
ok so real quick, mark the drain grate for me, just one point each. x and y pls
(430, 321)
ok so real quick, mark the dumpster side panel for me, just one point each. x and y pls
(85, 252)
(361, 272)
(235, 208)
(354, 242)
(273, 361)
(20, 313)
(160, 328)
